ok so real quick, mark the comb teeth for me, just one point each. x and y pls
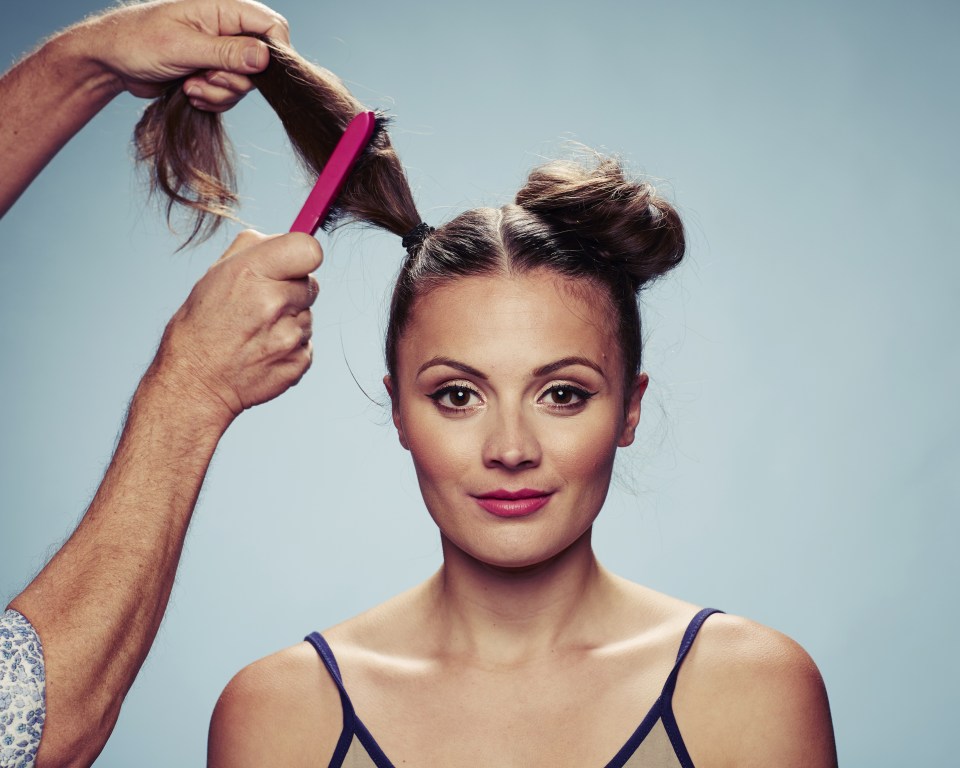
(364, 164)
(336, 170)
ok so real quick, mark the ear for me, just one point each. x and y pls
(632, 411)
(395, 409)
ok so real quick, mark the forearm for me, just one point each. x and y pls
(139, 47)
(98, 604)
(241, 338)
(46, 98)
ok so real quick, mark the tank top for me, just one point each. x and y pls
(656, 743)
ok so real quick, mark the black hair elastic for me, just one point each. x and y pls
(416, 236)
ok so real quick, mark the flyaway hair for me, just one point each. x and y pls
(190, 159)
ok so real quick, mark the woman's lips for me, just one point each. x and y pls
(513, 503)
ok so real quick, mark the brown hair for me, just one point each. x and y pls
(583, 219)
(190, 160)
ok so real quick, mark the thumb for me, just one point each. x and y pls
(231, 53)
(289, 257)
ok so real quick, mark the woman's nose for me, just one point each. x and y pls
(511, 442)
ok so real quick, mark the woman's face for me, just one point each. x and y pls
(509, 394)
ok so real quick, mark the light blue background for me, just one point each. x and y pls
(798, 458)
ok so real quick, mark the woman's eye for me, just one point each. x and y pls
(565, 396)
(455, 396)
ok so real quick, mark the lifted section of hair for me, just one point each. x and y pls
(190, 159)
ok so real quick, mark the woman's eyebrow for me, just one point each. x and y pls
(546, 370)
(451, 363)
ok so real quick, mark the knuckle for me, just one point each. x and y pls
(279, 26)
(243, 276)
(302, 363)
(240, 85)
(216, 77)
(290, 338)
(248, 237)
(271, 306)
(244, 272)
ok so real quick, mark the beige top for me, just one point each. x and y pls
(655, 751)
(656, 743)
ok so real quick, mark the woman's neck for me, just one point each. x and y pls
(507, 617)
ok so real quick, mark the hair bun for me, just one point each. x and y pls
(595, 208)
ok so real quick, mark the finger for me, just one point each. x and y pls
(212, 96)
(291, 297)
(231, 81)
(297, 364)
(305, 320)
(203, 106)
(313, 290)
(290, 256)
(289, 335)
(217, 88)
(199, 50)
(299, 361)
(302, 293)
(206, 106)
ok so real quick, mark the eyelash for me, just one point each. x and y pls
(582, 395)
(448, 389)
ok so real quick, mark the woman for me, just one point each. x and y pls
(513, 353)
(513, 357)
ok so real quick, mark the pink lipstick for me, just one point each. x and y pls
(503, 503)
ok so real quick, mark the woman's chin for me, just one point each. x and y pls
(516, 553)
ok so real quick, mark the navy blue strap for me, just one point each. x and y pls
(666, 698)
(326, 655)
(691, 633)
(662, 709)
(352, 725)
(349, 718)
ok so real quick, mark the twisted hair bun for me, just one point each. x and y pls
(594, 208)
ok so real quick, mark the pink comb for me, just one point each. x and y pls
(334, 173)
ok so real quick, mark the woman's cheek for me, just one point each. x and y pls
(440, 446)
(583, 451)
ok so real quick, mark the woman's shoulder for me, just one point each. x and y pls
(291, 687)
(770, 691)
(746, 694)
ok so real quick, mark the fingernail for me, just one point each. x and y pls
(218, 80)
(251, 56)
(193, 90)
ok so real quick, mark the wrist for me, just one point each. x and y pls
(171, 392)
(75, 57)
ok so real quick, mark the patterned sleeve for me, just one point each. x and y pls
(22, 691)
